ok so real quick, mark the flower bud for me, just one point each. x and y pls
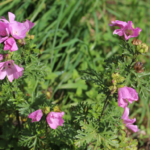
(121, 79)
(21, 42)
(24, 119)
(32, 37)
(117, 78)
(48, 95)
(56, 109)
(9, 55)
(115, 75)
(46, 110)
(142, 48)
(136, 42)
(138, 66)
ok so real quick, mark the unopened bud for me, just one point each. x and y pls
(143, 48)
(117, 78)
(56, 109)
(115, 75)
(9, 55)
(136, 42)
(120, 79)
(32, 37)
(48, 95)
(22, 42)
(138, 66)
(46, 110)
(24, 119)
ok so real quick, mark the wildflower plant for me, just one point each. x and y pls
(118, 84)
(33, 120)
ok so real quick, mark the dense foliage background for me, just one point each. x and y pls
(74, 35)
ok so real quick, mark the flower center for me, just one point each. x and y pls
(129, 32)
(15, 32)
(3, 33)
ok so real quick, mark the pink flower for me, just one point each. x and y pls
(10, 44)
(1, 57)
(126, 29)
(10, 69)
(4, 31)
(28, 24)
(18, 30)
(118, 23)
(126, 93)
(36, 115)
(129, 122)
(54, 119)
(11, 17)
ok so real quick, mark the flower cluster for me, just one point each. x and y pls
(9, 31)
(130, 94)
(126, 93)
(54, 119)
(126, 28)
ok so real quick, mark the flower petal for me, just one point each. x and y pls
(125, 113)
(11, 17)
(119, 32)
(134, 128)
(36, 115)
(118, 23)
(126, 93)
(2, 74)
(54, 119)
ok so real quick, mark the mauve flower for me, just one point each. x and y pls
(11, 18)
(36, 115)
(28, 24)
(11, 70)
(126, 93)
(10, 44)
(17, 29)
(126, 29)
(4, 31)
(118, 23)
(129, 122)
(54, 119)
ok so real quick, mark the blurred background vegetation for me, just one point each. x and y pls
(74, 35)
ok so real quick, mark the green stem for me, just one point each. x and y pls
(104, 107)
(133, 60)
(17, 115)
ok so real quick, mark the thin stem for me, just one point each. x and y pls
(133, 61)
(17, 114)
(104, 107)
